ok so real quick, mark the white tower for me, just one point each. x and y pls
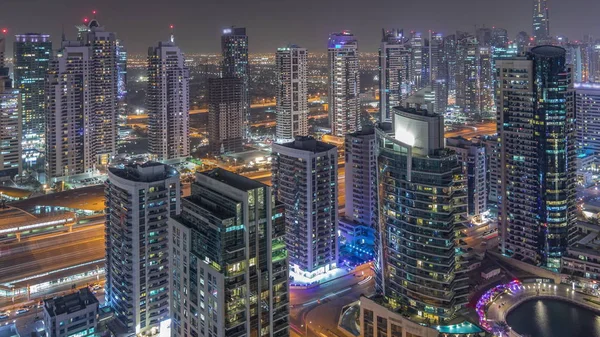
(292, 93)
(167, 101)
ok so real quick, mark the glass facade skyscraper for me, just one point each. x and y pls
(423, 201)
(537, 139)
(32, 54)
(234, 46)
(541, 22)
(228, 262)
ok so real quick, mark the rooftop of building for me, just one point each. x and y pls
(308, 143)
(147, 172)
(70, 303)
(415, 112)
(234, 31)
(549, 51)
(234, 180)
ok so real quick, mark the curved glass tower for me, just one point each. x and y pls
(423, 201)
(536, 134)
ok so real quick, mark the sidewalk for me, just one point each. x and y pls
(499, 308)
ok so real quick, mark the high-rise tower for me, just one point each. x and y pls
(139, 201)
(537, 140)
(167, 102)
(541, 22)
(10, 132)
(305, 181)
(103, 90)
(395, 82)
(234, 47)
(344, 84)
(225, 115)
(292, 93)
(229, 267)
(69, 113)
(32, 54)
(422, 201)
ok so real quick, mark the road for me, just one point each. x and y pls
(256, 105)
(321, 306)
(479, 129)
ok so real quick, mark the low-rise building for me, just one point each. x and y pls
(377, 318)
(74, 315)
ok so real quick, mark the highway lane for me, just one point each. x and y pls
(50, 258)
(322, 316)
(52, 240)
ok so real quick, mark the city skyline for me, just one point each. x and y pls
(270, 27)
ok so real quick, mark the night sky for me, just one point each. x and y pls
(273, 23)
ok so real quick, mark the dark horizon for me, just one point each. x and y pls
(271, 24)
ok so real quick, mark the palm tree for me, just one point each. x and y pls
(501, 329)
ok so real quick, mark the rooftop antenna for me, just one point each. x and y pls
(62, 36)
(172, 27)
(94, 13)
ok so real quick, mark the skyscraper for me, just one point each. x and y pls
(439, 71)
(422, 202)
(472, 155)
(10, 132)
(395, 83)
(305, 181)
(32, 54)
(523, 42)
(228, 262)
(587, 112)
(225, 115)
(121, 79)
(485, 81)
(292, 93)
(69, 110)
(361, 177)
(10, 123)
(167, 102)
(541, 22)
(499, 38)
(139, 201)
(344, 84)
(467, 84)
(104, 90)
(4, 78)
(234, 46)
(537, 140)
(450, 53)
(417, 45)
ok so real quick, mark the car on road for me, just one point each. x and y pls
(4, 315)
(22, 311)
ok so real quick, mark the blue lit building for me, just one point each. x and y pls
(537, 140)
(32, 54)
(121, 71)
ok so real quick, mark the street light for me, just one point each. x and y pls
(306, 328)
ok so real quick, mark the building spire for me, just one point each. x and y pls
(172, 39)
